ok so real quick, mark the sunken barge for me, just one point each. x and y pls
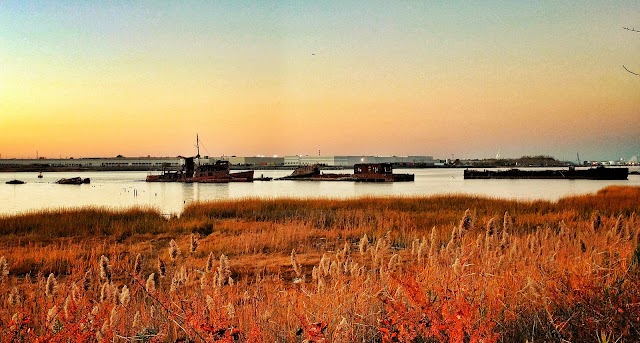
(364, 172)
(598, 173)
(74, 181)
(218, 172)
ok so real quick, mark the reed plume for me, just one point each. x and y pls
(294, 263)
(224, 273)
(162, 268)
(174, 250)
(507, 223)
(125, 296)
(491, 227)
(14, 298)
(105, 269)
(210, 262)
(51, 286)
(193, 243)
(364, 244)
(466, 223)
(596, 220)
(151, 283)
(4, 268)
(137, 266)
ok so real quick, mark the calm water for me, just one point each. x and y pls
(126, 189)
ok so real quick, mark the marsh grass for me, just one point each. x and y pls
(443, 268)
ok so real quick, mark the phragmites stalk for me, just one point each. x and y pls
(491, 227)
(86, 284)
(457, 266)
(162, 268)
(137, 321)
(50, 288)
(507, 224)
(224, 272)
(137, 266)
(174, 250)
(619, 226)
(151, 283)
(4, 268)
(105, 292)
(466, 223)
(210, 261)
(193, 243)
(14, 298)
(294, 263)
(68, 307)
(325, 264)
(52, 313)
(75, 292)
(394, 262)
(364, 244)
(596, 221)
(231, 311)
(114, 318)
(105, 269)
(125, 296)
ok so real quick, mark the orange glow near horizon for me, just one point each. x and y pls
(285, 79)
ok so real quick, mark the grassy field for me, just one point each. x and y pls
(432, 269)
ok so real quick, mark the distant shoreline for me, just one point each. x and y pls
(36, 169)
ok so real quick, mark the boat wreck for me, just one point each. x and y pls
(364, 172)
(74, 181)
(598, 173)
(15, 182)
(193, 171)
(218, 172)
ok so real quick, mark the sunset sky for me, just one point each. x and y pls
(468, 78)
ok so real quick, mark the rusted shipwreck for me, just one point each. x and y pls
(363, 172)
(598, 173)
(218, 172)
(74, 181)
(194, 171)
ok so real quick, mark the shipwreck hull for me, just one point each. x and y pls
(570, 174)
(364, 172)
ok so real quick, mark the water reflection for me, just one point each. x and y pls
(127, 189)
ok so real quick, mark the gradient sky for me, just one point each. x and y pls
(137, 78)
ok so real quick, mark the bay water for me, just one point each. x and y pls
(120, 190)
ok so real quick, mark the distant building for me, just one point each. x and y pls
(350, 161)
(132, 162)
(154, 163)
(255, 160)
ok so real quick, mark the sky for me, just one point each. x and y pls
(466, 79)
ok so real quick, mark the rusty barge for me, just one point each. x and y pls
(598, 173)
(363, 172)
(193, 171)
(74, 181)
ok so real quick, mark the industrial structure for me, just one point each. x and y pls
(350, 161)
(102, 163)
(157, 163)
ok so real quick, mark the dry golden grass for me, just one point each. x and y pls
(429, 271)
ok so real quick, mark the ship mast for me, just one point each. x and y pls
(198, 148)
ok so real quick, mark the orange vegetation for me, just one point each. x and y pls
(434, 269)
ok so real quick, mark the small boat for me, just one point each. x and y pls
(15, 182)
(262, 178)
(73, 181)
(40, 175)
